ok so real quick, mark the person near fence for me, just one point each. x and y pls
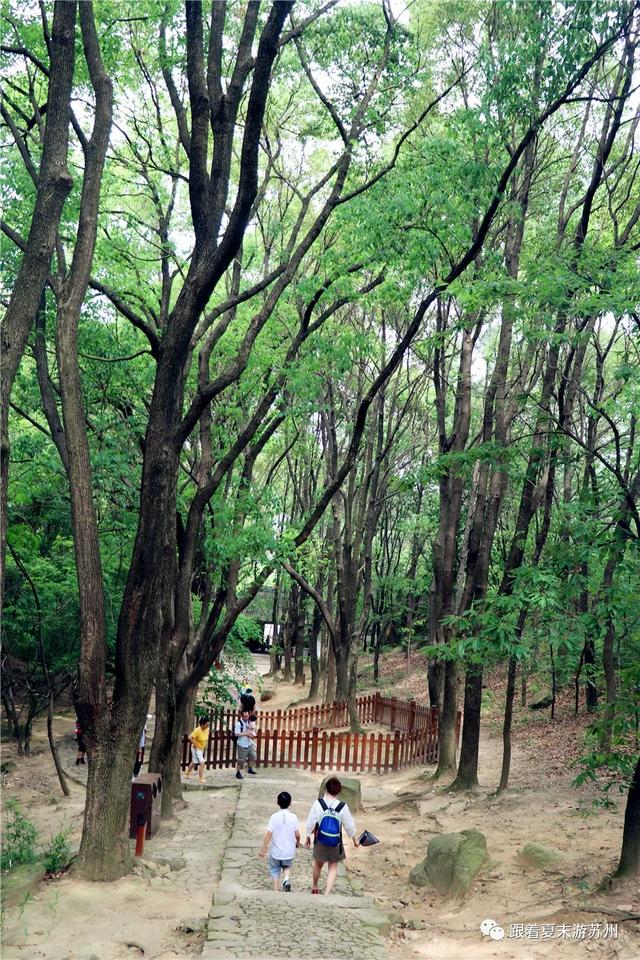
(198, 739)
(245, 732)
(281, 839)
(326, 819)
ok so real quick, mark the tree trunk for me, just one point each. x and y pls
(589, 668)
(467, 778)
(376, 642)
(352, 696)
(165, 748)
(435, 673)
(299, 641)
(447, 722)
(104, 848)
(54, 750)
(630, 854)
(314, 660)
(343, 670)
(506, 724)
(330, 691)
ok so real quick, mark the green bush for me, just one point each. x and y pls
(18, 838)
(57, 854)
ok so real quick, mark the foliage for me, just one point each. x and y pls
(57, 853)
(19, 837)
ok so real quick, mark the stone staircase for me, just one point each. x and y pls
(250, 921)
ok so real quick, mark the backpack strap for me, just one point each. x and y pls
(323, 804)
(340, 806)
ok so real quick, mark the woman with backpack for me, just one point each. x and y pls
(326, 819)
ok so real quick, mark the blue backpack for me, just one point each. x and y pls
(330, 827)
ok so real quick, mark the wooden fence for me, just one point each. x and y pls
(294, 738)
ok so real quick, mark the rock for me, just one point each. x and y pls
(266, 695)
(541, 700)
(418, 876)
(452, 862)
(173, 863)
(18, 883)
(351, 791)
(471, 856)
(7, 766)
(416, 924)
(376, 920)
(537, 855)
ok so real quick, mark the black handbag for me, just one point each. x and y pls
(367, 839)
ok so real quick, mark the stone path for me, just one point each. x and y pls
(250, 921)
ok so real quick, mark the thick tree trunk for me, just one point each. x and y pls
(435, 676)
(104, 848)
(343, 670)
(630, 854)
(467, 778)
(447, 722)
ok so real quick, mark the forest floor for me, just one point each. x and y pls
(160, 911)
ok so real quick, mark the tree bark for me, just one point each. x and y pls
(629, 864)
(506, 724)
(447, 722)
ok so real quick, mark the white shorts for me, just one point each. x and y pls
(197, 756)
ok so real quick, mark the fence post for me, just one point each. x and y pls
(314, 749)
(458, 725)
(396, 748)
(392, 720)
(412, 716)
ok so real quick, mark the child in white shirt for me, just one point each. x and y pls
(283, 833)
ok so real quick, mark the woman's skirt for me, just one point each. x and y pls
(324, 854)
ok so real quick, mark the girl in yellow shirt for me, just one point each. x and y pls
(198, 739)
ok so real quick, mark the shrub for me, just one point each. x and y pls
(57, 854)
(18, 838)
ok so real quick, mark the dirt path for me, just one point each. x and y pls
(157, 912)
(250, 920)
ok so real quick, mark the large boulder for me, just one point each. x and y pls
(541, 700)
(452, 863)
(266, 695)
(351, 791)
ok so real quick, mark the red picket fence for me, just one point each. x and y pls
(293, 738)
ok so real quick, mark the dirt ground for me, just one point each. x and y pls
(155, 912)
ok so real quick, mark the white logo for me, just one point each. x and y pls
(491, 928)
